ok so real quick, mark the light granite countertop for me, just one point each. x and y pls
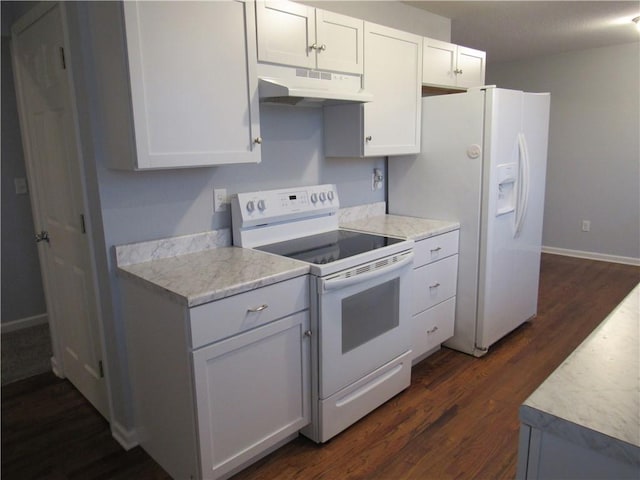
(196, 278)
(412, 228)
(593, 398)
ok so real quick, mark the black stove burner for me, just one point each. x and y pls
(329, 247)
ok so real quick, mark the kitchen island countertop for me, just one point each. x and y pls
(593, 398)
(412, 228)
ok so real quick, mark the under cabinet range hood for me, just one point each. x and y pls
(305, 87)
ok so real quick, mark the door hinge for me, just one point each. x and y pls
(83, 227)
(101, 368)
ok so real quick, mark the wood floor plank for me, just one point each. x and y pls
(457, 420)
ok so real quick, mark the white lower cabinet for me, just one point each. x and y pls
(435, 276)
(251, 393)
(219, 385)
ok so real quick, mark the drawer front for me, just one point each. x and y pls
(433, 326)
(227, 317)
(435, 248)
(434, 283)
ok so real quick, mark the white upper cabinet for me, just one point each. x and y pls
(293, 34)
(448, 65)
(193, 84)
(390, 124)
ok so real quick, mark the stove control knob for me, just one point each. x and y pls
(323, 196)
(314, 197)
(250, 206)
(330, 195)
(261, 205)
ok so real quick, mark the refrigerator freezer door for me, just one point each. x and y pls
(510, 254)
(444, 182)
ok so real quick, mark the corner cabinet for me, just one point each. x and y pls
(390, 124)
(293, 34)
(218, 385)
(190, 74)
(452, 66)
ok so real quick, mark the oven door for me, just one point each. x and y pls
(364, 320)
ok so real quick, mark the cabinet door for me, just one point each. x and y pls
(286, 32)
(340, 42)
(471, 67)
(393, 71)
(193, 83)
(439, 63)
(252, 391)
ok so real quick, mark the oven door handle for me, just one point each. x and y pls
(335, 283)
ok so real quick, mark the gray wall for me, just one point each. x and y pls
(137, 206)
(593, 168)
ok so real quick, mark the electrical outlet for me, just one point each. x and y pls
(586, 225)
(220, 200)
(376, 179)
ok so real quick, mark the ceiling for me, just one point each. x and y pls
(514, 30)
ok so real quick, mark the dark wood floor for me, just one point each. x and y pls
(459, 418)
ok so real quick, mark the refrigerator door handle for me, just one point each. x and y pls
(523, 185)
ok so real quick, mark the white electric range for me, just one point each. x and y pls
(360, 318)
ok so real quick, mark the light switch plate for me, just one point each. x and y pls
(220, 200)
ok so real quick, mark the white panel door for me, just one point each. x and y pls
(340, 42)
(393, 72)
(266, 394)
(193, 83)
(286, 32)
(52, 152)
(439, 62)
(471, 67)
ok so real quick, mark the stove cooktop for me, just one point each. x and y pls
(329, 247)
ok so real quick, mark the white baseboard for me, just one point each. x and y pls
(603, 257)
(21, 323)
(126, 438)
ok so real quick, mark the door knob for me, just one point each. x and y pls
(42, 236)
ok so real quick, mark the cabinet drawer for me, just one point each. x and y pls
(230, 316)
(433, 326)
(434, 283)
(435, 248)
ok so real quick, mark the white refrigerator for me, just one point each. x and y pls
(483, 164)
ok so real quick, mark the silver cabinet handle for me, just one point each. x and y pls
(257, 140)
(308, 333)
(368, 138)
(313, 47)
(457, 71)
(433, 330)
(322, 47)
(435, 285)
(437, 249)
(258, 309)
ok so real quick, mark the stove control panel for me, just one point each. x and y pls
(289, 204)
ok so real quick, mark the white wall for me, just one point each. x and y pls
(593, 168)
